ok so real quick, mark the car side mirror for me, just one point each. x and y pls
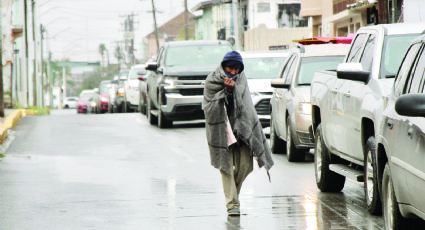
(353, 72)
(412, 105)
(279, 83)
(152, 66)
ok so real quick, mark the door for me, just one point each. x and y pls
(406, 135)
(353, 94)
(411, 154)
(278, 103)
(155, 78)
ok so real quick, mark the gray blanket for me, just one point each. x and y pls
(246, 125)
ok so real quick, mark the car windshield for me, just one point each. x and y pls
(309, 65)
(136, 72)
(106, 88)
(196, 55)
(86, 97)
(395, 47)
(263, 67)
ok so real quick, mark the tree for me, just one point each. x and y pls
(102, 50)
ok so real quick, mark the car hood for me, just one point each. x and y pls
(105, 95)
(83, 103)
(259, 85)
(189, 70)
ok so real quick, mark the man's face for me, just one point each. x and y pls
(231, 71)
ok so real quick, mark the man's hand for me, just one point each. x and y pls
(229, 84)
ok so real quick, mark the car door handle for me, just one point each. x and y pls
(390, 124)
(410, 132)
(347, 94)
(334, 90)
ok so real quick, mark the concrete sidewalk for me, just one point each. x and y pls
(12, 117)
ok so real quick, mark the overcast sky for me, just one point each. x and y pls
(77, 27)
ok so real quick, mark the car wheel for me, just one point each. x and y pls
(371, 184)
(277, 145)
(294, 154)
(392, 215)
(142, 105)
(124, 107)
(151, 118)
(326, 180)
(163, 122)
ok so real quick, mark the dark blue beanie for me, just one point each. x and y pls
(233, 59)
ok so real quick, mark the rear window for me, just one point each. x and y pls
(395, 48)
(136, 72)
(263, 67)
(196, 55)
(309, 65)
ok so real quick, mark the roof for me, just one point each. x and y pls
(398, 28)
(205, 4)
(254, 54)
(324, 50)
(198, 42)
(174, 26)
(324, 40)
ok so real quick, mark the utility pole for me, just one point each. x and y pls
(34, 75)
(156, 28)
(1, 71)
(235, 9)
(42, 30)
(186, 20)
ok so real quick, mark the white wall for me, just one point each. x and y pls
(414, 11)
(269, 19)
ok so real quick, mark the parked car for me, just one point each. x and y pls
(132, 87)
(85, 100)
(290, 105)
(347, 106)
(400, 142)
(70, 102)
(143, 93)
(260, 68)
(104, 91)
(175, 85)
(119, 105)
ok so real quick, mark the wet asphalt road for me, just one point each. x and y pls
(115, 171)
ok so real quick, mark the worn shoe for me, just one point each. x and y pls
(234, 212)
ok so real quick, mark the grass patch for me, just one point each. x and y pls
(40, 110)
(2, 155)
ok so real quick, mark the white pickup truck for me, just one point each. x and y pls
(347, 104)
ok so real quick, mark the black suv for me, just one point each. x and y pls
(175, 86)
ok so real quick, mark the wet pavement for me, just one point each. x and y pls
(115, 171)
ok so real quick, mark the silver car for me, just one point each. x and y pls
(260, 68)
(290, 103)
(401, 144)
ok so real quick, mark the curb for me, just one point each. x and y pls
(11, 120)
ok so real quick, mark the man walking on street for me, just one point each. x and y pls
(230, 113)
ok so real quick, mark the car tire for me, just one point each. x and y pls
(392, 215)
(326, 180)
(293, 154)
(371, 183)
(163, 122)
(277, 145)
(142, 106)
(124, 107)
(151, 118)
